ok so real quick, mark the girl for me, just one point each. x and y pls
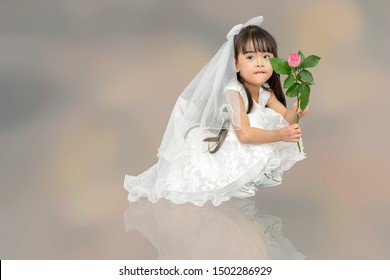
(229, 131)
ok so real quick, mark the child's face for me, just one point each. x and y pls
(254, 67)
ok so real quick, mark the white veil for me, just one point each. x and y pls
(205, 103)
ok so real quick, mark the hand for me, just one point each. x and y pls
(299, 111)
(291, 133)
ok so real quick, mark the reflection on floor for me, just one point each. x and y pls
(233, 230)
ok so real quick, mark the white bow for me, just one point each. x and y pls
(237, 28)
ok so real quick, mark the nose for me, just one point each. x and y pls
(259, 61)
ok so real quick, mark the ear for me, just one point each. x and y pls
(237, 68)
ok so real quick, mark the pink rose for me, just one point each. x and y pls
(294, 59)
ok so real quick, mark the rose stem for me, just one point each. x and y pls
(299, 145)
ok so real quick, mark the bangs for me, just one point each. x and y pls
(254, 38)
(257, 45)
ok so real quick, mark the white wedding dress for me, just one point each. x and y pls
(197, 176)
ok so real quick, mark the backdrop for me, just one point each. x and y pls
(87, 88)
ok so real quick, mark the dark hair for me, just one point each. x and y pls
(262, 41)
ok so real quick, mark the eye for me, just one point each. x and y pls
(267, 56)
(250, 57)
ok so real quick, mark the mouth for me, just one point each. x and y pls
(260, 72)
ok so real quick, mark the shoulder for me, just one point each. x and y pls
(236, 87)
(275, 104)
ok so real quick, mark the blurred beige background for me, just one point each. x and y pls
(86, 90)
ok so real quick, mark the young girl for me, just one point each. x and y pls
(229, 131)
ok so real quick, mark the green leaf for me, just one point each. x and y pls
(301, 55)
(304, 96)
(310, 61)
(289, 81)
(280, 65)
(293, 90)
(299, 77)
(306, 76)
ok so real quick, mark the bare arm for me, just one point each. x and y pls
(252, 135)
(289, 114)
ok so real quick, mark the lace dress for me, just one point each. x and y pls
(197, 176)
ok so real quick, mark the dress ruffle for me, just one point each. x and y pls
(199, 176)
